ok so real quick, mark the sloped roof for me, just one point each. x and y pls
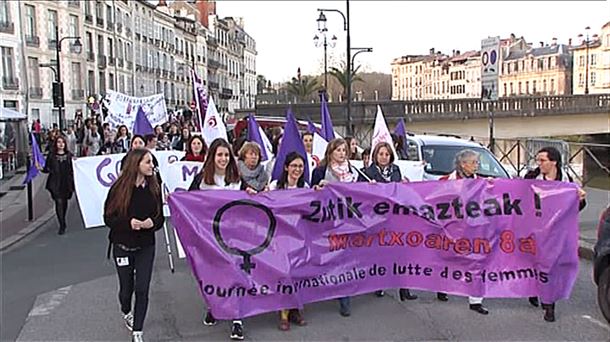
(539, 51)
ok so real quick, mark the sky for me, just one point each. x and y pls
(284, 30)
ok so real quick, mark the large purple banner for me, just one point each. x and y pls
(283, 249)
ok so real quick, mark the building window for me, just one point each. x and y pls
(111, 81)
(35, 114)
(109, 14)
(87, 7)
(34, 74)
(527, 87)
(99, 10)
(540, 64)
(74, 32)
(512, 91)
(581, 60)
(505, 94)
(4, 13)
(8, 68)
(77, 80)
(581, 81)
(52, 26)
(100, 46)
(89, 42)
(534, 87)
(91, 82)
(552, 86)
(593, 78)
(30, 21)
(110, 48)
(516, 66)
(519, 89)
(593, 59)
(544, 86)
(102, 80)
(551, 66)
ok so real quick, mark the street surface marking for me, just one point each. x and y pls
(54, 300)
(593, 320)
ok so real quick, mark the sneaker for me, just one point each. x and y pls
(237, 331)
(128, 318)
(209, 320)
(137, 337)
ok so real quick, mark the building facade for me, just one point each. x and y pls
(598, 52)
(130, 46)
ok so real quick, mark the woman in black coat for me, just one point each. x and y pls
(549, 168)
(60, 182)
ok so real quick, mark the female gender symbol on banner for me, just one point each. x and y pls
(247, 265)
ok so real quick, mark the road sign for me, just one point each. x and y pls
(490, 67)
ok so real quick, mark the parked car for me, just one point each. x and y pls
(601, 264)
(439, 154)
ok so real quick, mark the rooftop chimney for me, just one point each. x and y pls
(432, 51)
(541, 44)
(570, 42)
(554, 41)
(161, 3)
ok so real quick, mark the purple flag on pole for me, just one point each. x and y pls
(327, 132)
(311, 128)
(38, 161)
(291, 142)
(141, 125)
(201, 100)
(400, 129)
(254, 135)
(506, 238)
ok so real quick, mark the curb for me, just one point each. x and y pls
(585, 249)
(29, 229)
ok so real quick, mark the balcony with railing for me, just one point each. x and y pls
(7, 27)
(101, 61)
(119, 62)
(35, 92)
(78, 94)
(32, 41)
(89, 18)
(51, 44)
(111, 60)
(164, 73)
(213, 64)
(99, 21)
(157, 71)
(90, 56)
(10, 83)
(129, 65)
(214, 85)
(128, 31)
(119, 27)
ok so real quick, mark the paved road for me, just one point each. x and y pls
(61, 288)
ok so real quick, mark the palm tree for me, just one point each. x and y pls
(303, 88)
(341, 76)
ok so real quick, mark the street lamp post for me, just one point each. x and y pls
(348, 62)
(359, 50)
(60, 87)
(322, 29)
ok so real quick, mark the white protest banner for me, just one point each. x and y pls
(93, 177)
(381, 132)
(413, 171)
(122, 109)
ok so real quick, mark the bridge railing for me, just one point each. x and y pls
(587, 163)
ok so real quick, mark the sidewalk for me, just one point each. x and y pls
(14, 208)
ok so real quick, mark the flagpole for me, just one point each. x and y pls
(29, 191)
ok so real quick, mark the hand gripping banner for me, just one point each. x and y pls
(283, 249)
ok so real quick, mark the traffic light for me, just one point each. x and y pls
(58, 94)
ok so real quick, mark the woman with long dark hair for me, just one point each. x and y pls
(550, 168)
(195, 150)
(121, 141)
(220, 172)
(134, 211)
(291, 178)
(60, 182)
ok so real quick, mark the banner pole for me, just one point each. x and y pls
(168, 247)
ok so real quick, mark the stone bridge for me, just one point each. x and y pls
(514, 117)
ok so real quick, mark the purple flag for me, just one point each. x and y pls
(201, 100)
(38, 161)
(254, 135)
(311, 128)
(327, 132)
(400, 129)
(473, 237)
(291, 142)
(141, 125)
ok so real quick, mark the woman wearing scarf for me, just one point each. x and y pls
(466, 166)
(383, 170)
(549, 168)
(335, 167)
(252, 172)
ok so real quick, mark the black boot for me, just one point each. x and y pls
(379, 293)
(549, 312)
(62, 230)
(479, 308)
(442, 296)
(405, 294)
(534, 301)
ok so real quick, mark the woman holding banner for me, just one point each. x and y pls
(252, 172)
(291, 178)
(195, 150)
(134, 211)
(60, 182)
(466, 166)
(335, 167)
(383, 170)
(549, 167)
(220, 172)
